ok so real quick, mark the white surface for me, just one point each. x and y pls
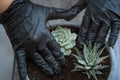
(115, 54)
(6, 56)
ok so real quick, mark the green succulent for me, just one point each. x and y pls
(65, 38)
(90, 62)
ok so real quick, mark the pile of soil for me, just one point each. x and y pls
(66, 74)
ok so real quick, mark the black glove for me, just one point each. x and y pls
(25, 24)
(100, 16)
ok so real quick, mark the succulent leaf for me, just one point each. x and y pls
(99, 60)
(92, 72)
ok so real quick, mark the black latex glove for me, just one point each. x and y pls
(25, 24)
(100, 16)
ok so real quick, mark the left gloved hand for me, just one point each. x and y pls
(25, 24)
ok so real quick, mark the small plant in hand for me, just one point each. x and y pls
(65, 38)
(90, 61)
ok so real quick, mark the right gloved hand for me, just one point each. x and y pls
(100, 17)
(25, 24)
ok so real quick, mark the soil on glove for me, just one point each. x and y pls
(66, 74)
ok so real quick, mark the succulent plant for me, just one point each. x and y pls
(65, 39)
(90, 61)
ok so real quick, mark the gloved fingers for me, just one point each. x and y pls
(38, 59)
(115, 28)
(83, 30)
(91, 34)
(21, 60)
(49, 58)
(55, 49)
(114, 33)
(102, 34)
(67, 14)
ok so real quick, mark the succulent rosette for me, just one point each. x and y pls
(91, 61)
(65, 38)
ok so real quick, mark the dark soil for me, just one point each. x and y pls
(66, 74)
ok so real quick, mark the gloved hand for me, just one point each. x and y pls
(25, 24)
(100, 17)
